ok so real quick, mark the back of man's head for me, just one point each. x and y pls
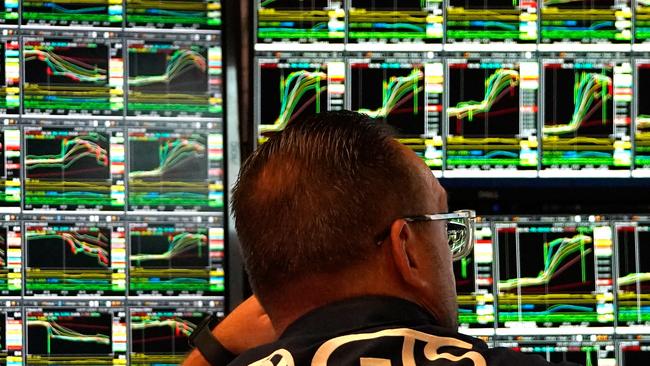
(315, 198)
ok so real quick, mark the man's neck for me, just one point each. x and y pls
(311, 295)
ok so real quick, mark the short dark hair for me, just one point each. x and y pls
(313, 198)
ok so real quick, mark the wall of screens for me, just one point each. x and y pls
(478, 89)
(498, 89)
(112, 240)
(566, 287)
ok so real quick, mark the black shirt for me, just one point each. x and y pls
(378, 331)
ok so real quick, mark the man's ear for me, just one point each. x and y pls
(404, 250)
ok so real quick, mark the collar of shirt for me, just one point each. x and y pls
(357, 314)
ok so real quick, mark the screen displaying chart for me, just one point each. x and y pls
(89, 332)
(9, 75)
(174, 78)
(586, 21)
(78, 257)
(160, 330)
(396, 21)
(11, 260)
(404, 93)
(586, 117)
(88, 13)
(300, 21)
(293, 89)
(176, 259)
(74, 169)
(633, 251)
(554, 275)
(175, 170)
(492, 116)
(642, 125)
(11, 334)
(474, 286)
(174, 14)
(492, 21)
(73, 76)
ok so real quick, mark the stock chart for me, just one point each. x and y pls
(176, 259)
(297, 88)
(566, 288)
(79, 331)
(565, 279)
(300, 21)
(74, 168)
(391, 92)
(159, 331)
(413, 21)
(103, 13)
(586, 21)
(178, 78)
(175, 170)
(633, 274)
(65, 76)
(494, 126)
(407, 95)
(112, 174)
(75, 258)
(173, 14)
(586, 116)
(491, 21)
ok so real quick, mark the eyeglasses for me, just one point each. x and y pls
(460, 230)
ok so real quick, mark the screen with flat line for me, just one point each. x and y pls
(176, 259)
(76, 331)
(159, 331)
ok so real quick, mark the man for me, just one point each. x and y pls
(346, 251)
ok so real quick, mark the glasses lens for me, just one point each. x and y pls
(460, 234)
(457, 236)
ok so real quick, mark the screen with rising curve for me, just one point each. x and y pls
(112, 243)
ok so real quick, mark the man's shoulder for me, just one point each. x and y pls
(414, 346)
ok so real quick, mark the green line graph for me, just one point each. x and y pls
(394, 90)
(590, 91)
(180, 62)
(179, 244)
(72, 150)
(171, 154)
(555, 253)
(292, 90)
(496, 86)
